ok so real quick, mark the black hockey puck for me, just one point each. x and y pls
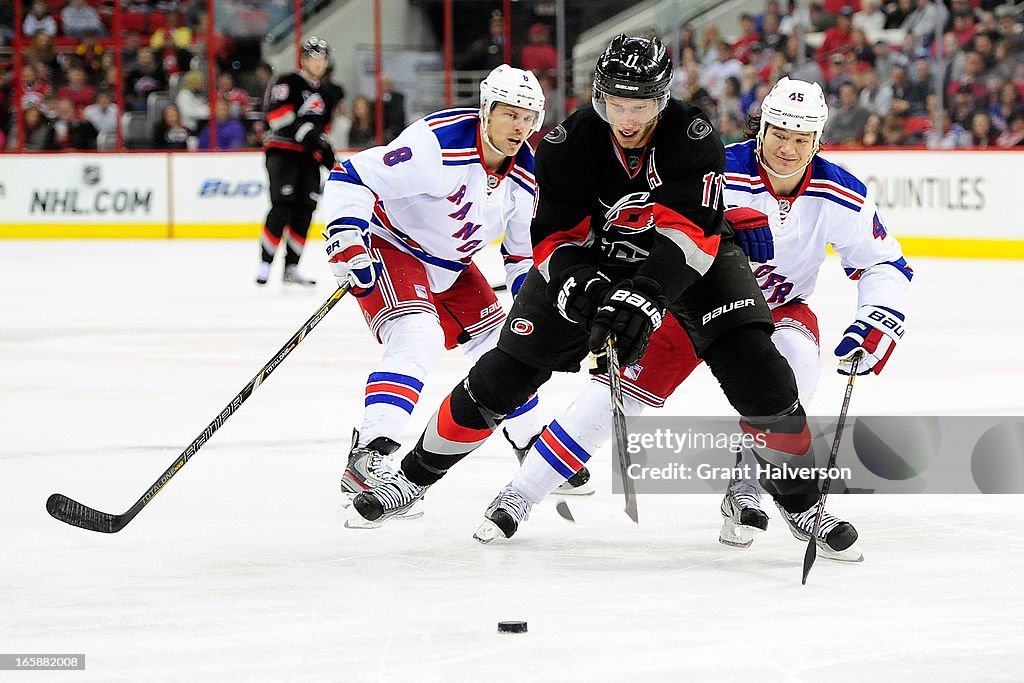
(511, 627)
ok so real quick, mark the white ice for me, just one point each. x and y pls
(116, 354)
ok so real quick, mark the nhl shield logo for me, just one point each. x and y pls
(492, 181)
(91, 174)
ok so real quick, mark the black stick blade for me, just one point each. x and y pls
(74, 513)
(809, 556)
(562, 508)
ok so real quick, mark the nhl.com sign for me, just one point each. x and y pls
(92, 194)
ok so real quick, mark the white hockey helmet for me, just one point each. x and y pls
(795, 105)
(513, 86)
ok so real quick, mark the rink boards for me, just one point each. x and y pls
(939, 203)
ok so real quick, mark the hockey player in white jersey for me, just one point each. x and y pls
(404, 222)
(787, 204)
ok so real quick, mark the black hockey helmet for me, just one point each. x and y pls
(636, 68)
(313, 47)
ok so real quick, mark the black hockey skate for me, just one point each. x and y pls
(744, 518)
(504, 515)
(837, 539)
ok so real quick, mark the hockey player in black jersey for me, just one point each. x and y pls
(628, 232)
(298, 107)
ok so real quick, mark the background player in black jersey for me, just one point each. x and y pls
(298, 106)
(628, 228)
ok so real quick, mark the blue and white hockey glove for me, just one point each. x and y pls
(349, 259)
(875, 332)
(753, 235)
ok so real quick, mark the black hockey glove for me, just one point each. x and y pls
(632, 311)
(324, 153)
(582, 289)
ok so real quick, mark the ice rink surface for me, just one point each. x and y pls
(116, 354)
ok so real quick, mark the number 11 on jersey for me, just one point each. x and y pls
(712, 189)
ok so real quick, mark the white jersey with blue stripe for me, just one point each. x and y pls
(429, 194)
(830, 207)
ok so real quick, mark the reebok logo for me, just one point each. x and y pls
(722, 310)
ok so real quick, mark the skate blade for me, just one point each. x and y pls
(487, 532)
(357, 521)
(851, 555)
(566, 490)
(738, 535)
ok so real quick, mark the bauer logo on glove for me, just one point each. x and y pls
(875, 332)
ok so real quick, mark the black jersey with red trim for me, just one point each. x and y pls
(298, 110)
(655, 212)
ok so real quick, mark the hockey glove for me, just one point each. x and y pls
(349, 259)
(632, 311)
(875, 332)
(753, 235)
(582, 290)
(324, 153)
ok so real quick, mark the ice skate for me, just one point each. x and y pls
(836, 539)
(367, 465)
(378, 504)
(576, 485)
(292, 275)
(744, 516)
(263, 274)
(504, 515)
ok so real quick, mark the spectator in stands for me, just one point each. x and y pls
(69, 132)
(839, 73)
(729, 102)
(174, 32)
(897, 12)
(943, 134)
(893, 132)
(870, 18)
(39, 19)
(77, 90)
(982, 134)
(42, 51)
(885, 59)
(1014, 135)
(687, 39)
(238, 100)
(340, 126)
(795, 18)
(394, 109)
(230, 131)
(38, 131)
(872, 131)
(709, 41)
(772, 36)
(962, 107)
(102, 116)
(77, 17)
(748, 36)
(33, 87)
(130, 49)
(876, 96)
(685, 75)
(147, 76)
(730, 129)
(839, 38)
(920, 86)
(262, 75)
(191, 100)
(963, 27)
(972, 77)
(846, 120)
(169, 132)
(541, 57)
(90, 54)
(713, 77)
(821, 20)
(486, 52)
(1008, 103)
(900, 85)
(363, 133)
(926, 21)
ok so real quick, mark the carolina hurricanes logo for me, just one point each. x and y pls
(631, 214)
(314, 104)
(521, 326)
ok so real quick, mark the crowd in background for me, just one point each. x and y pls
(880, 66)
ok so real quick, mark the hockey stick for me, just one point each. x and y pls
(619, 445)
(74, 513)
(812, 545)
